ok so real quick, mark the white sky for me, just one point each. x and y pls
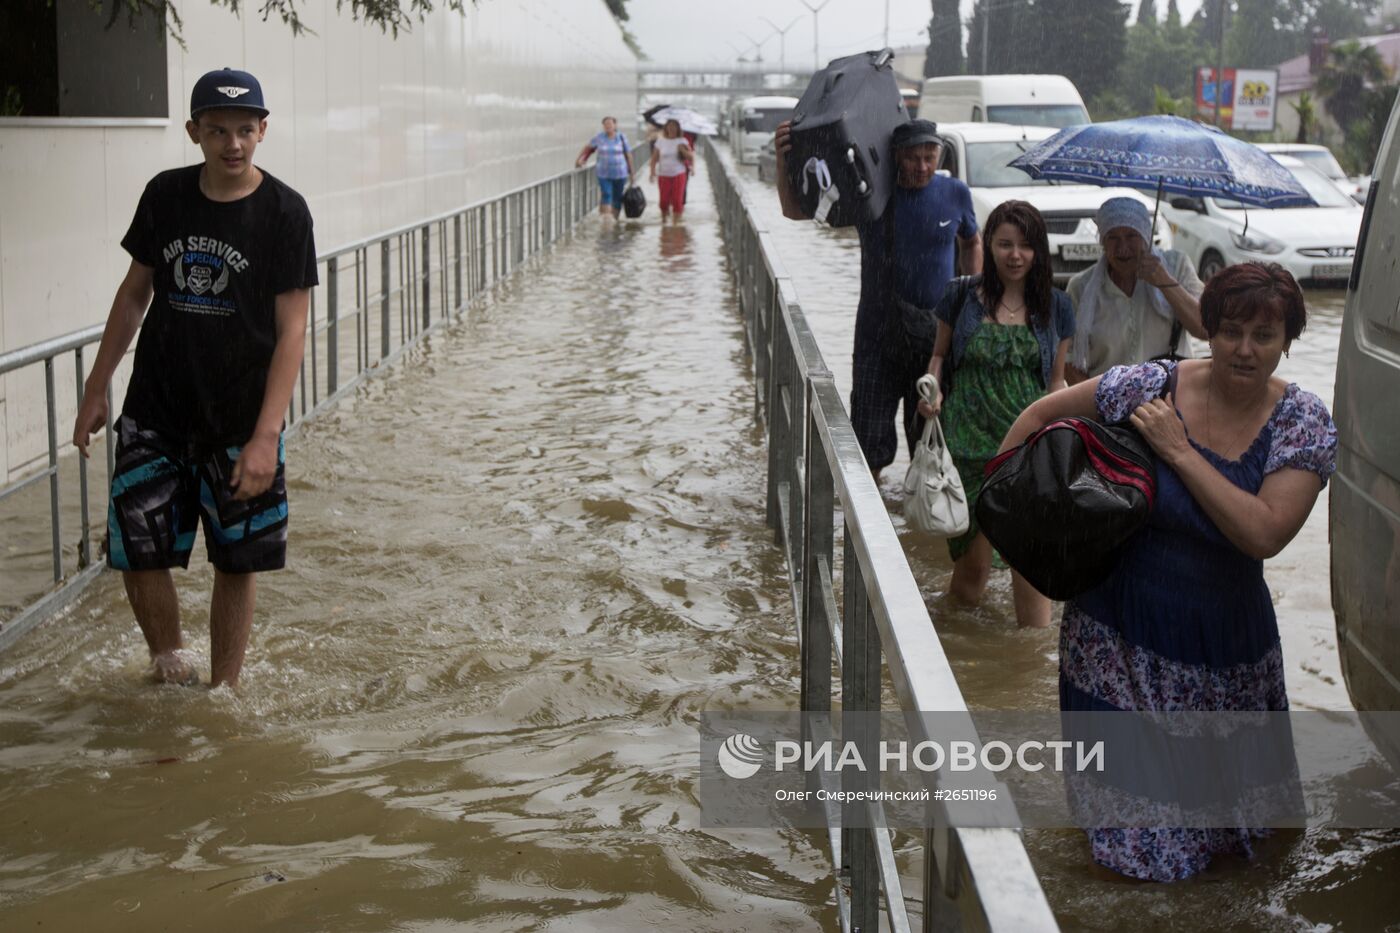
(701, 31)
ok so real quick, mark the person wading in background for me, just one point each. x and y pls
(671, 157)
(1136, 302)
(614, 165)
(928, 224)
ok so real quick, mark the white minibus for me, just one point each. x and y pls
(753, 120)
(1021, 100)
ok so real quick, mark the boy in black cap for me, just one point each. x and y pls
(222, 253)
(932, 224)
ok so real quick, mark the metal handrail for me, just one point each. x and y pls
(815, 468)
(405, 274)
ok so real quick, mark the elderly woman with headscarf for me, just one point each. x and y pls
(1136, 301)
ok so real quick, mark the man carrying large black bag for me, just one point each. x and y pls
(906, 260)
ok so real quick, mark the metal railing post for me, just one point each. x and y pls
(427, 314)
(860, 698)
(111, 440)
(780, 448)
(495, 242)
(443, 265)
(481, 246)
(52, 402)
(457, 263)
(361, 340)
(817, 621)
(384, 327)
(84, 546)
(332, 325)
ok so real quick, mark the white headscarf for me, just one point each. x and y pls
(1131, 214)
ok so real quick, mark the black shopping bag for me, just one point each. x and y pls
(634, 201)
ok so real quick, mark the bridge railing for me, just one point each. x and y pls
(377, 298)
(882, 625)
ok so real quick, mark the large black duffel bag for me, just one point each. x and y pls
(634, 201)
(841, 131)
(1060, 507)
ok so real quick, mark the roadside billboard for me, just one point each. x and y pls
(1206, 95)
(1256, 99)
(1249, 98)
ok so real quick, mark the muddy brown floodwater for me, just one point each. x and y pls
(522, 564)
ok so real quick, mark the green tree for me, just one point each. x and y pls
(1363, 135)
(1257, 36)
(1207, 21)
(1147, 13)
(1350, 71)
(1342, 19)
(389, 15)
(1011, 38)
(1164, 102)
(1082, 39)
(1263, 33)
(1159, 55)
(1307, 117)
(944, 56)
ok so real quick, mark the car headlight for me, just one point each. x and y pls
(1256, 243)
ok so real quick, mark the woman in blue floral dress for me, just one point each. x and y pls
(1185, 622)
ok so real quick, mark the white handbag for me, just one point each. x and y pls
(934, 501)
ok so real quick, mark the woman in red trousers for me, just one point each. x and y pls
(671, 156)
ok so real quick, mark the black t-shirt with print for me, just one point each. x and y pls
(207, 341)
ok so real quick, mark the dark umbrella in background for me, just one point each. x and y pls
(1165, 154)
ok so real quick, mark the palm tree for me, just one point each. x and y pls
(1307, 116)
(1164, 102)
(1350, 69)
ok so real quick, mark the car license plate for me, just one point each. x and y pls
(1080, 252)
(1338, 270)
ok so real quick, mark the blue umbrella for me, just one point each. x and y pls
(1165, 154)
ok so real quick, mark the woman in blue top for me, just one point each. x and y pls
(1002, 337)
(614, 165)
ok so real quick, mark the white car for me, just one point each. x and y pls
(979, 154)
(1321, 158)
(1316, 244)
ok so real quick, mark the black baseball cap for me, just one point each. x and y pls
(227, 88)
(915, 133)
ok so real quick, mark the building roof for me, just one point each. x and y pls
(1294, 75)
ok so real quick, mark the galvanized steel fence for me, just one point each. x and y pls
(377, 298)
(882, 626)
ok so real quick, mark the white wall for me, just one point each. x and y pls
(375, 132)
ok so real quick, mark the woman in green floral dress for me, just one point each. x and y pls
(1001, 344)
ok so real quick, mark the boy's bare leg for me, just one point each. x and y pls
(157, 610)
(230, 624)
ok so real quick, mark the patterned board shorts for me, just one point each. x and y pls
(160, 491)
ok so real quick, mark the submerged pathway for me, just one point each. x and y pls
(521, 564)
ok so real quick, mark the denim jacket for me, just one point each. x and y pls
(967, 316)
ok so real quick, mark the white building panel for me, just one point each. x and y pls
(374, 131)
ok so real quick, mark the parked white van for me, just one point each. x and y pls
(753, 120)
(1024, 100)
(1364, 508)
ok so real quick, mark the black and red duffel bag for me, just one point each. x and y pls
(1060, 507)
